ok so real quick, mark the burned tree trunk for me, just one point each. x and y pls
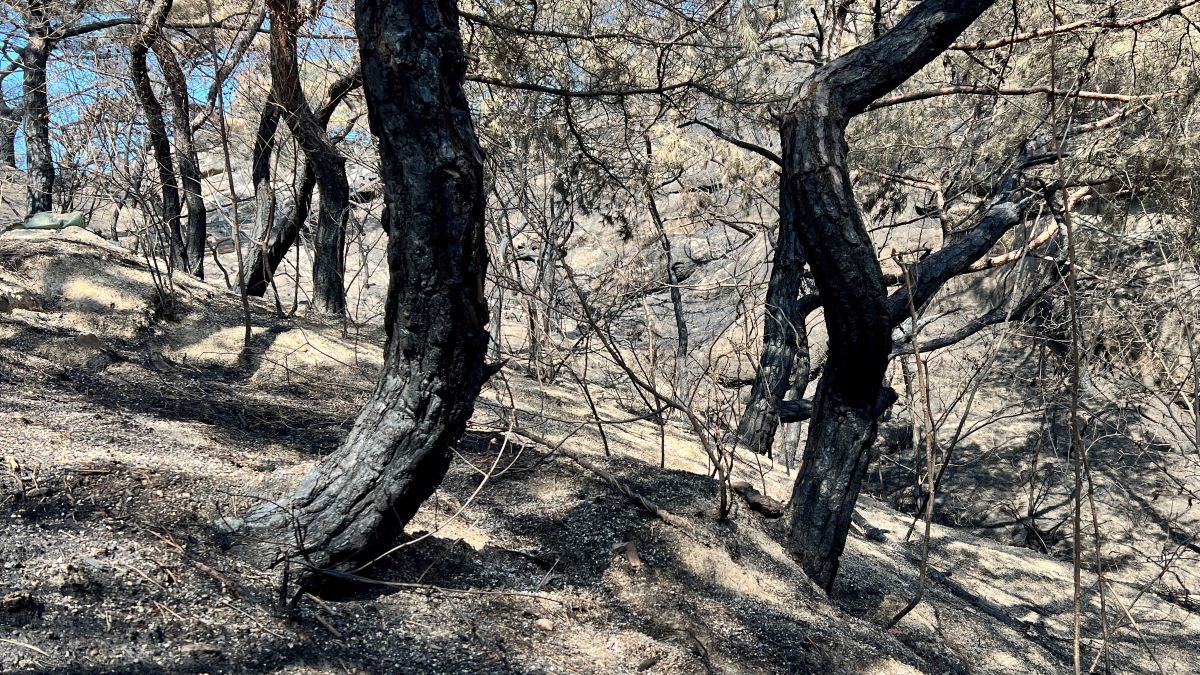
(270, 240)
(432, 168)
(329, 166)
(195, 232)
(10, 121)
(816, 184)
(784, 335)
(275, 235)
(169, 208)
(682, 388)
(35, 56)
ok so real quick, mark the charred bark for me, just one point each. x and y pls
(816, 184)
(328, 165)
(35, 56)
(432, 168)
(271, 238)
(276, 232)
(168, 206)
(682, 389)
(10, 121)
(785, 338)
(195, 231)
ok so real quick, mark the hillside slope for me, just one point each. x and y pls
(131, 423)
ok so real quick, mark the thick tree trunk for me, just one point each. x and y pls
(195, 232)
(34, 59)
(275, 234)
(784, 333)
(817, 188)
(432, 168)
(169, 208)
(329, 241)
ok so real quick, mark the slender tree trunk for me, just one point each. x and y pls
(10, 121)
(269, 241)
(169, 208)
(34, 59)
(276, 232)
(432, 168)
(801, 369)
(817, 192)
(682, 388)
(329, 294)
(195, 233)
(783, 333)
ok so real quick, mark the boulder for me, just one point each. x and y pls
(47, 220)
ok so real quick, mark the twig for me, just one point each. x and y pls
(615, 483)
(25, 645)
(430, 588)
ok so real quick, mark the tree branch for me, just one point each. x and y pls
(1105, 23)
(745, 145)
(987, 90)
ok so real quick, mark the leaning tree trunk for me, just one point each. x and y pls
(817, 192)
(34, 59)
(329, 241)
(783, 333)
(432, 169)
(195, 232)
(169, 208)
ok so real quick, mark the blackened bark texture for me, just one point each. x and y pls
(195, 230)
(784, 334)
(35, 56)
(271, 239)
(816, 183)
(929, 275)
(436, 316)
(169, 207)
(329, 166)
(682, 388)
(10, 121)
(801, 371)
(275, 236)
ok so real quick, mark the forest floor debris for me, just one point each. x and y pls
(114, 467)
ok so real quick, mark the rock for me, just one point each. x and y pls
(47, 220)
(200, 648)
(544, 624)
(648, 663)
(629, 550)
(14, 298)
(73, 580)
(19, 608)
